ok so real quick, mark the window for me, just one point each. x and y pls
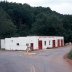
(49, 42)
(44, 42)
(17, 44)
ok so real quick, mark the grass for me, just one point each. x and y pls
(70, 55)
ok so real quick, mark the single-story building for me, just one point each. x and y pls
(34, 42)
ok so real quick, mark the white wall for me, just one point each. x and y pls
(2, 43)
(15, 41)
(33, 40)
(8, 43)
(48, 42)
(11, 43)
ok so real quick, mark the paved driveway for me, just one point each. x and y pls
(50, 60)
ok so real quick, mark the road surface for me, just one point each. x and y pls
(50, 60)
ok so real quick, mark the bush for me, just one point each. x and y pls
(70, 55)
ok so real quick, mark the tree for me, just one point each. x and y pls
(46, 25)
(27, 20)
(7, 28)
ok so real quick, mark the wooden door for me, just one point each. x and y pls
(31, 46)
(54, 43)
(62, 43)
(40, 44)
(58, 43)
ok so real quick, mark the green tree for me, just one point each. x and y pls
(46, 25)
(7, 28)
(29, 20)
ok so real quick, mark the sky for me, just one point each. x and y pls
(60, 6)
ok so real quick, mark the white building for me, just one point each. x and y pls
(35, 42)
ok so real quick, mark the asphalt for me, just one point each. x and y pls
(50, 60)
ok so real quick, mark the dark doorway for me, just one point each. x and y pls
(58, 43)
(31, 46)
(40, 44)
(62, 43)
(54, 43)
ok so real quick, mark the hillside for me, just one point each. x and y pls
(22, 20)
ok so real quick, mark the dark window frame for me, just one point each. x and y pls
(49, 42)
(45, 43)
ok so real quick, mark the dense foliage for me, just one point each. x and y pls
(70, 55)
(21, 20)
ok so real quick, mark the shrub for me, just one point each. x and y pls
(70, 55)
